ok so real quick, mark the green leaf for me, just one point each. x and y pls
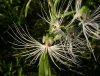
(27, 7)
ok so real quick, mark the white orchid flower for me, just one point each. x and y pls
(61, 51)
(90, 23)
(77, 14)
(55, 17)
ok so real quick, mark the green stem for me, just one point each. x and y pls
(44, 67)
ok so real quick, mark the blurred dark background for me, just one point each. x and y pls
(13, 12)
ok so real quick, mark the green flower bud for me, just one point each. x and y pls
(47, 40)
(84, 12)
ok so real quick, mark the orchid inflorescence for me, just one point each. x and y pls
(60, 45)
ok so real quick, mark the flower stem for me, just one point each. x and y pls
(44, 67)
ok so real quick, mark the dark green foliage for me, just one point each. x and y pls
(16, 11)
